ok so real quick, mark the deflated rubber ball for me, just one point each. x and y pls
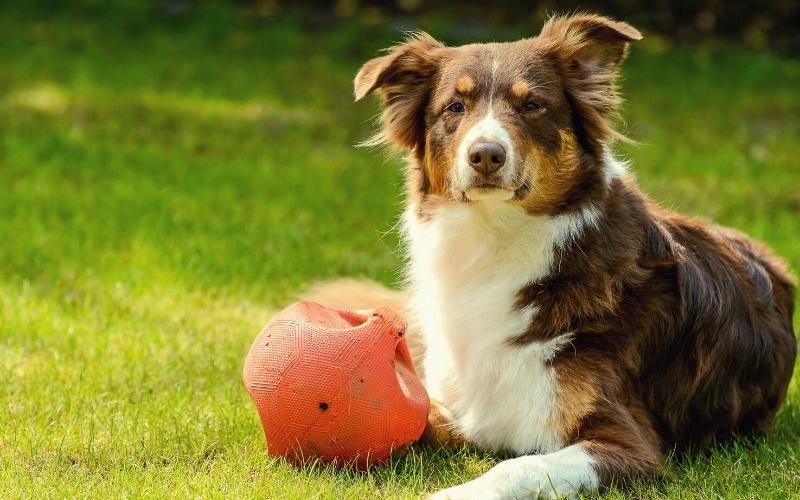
(335, 385)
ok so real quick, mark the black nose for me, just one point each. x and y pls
(486, 157)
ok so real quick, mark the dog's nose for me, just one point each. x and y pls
(486, 157)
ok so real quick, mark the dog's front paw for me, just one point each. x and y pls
(467, 491)
(529, 477)
(493, 485)
(441, 429)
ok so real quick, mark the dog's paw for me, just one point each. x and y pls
(440, 430)
(494, 485)
(531, 477)
(498, 491)
(466, 491)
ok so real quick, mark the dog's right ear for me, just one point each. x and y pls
(404, 79)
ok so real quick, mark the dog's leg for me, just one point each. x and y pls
(554, 475)
(614, 446)
(441, 430)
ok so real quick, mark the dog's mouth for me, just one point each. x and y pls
(493, 192)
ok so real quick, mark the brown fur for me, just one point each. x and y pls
(683, 329)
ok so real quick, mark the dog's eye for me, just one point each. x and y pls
(530, 106)
(456, 107)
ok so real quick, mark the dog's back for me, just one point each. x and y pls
(737, 304)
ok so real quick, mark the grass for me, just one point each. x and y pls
(168, 182)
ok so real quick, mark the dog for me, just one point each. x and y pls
(561, 316)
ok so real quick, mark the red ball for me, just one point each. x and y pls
(335, 385)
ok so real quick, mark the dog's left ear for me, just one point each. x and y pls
(589, 50)
(591, 43)
(404, 79)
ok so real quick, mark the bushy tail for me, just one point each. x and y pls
(348, 293)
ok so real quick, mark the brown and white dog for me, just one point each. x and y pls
(565, 317)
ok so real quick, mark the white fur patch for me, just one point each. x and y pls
(468, 261)
(555, 475)
(484, 194)
(613, 168)
(486, 130)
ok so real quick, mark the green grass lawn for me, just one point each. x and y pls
(165, 186)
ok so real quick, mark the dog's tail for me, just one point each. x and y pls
(348, 293)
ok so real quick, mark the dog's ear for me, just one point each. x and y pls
(589, 50)
(591, 43)
(404, 79)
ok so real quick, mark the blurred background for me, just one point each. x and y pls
(757, 24)
(172, 172)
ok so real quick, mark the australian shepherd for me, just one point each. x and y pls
(562, 316)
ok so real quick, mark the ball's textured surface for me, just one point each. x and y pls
(335, 385)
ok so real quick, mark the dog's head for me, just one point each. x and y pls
(524, 122)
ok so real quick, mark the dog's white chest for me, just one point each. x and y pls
(467, 265)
